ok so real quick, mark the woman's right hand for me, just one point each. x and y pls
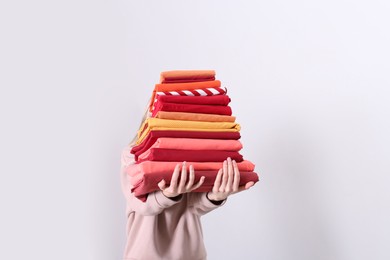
(186, 183)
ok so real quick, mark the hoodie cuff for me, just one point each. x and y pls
(164, 201)
(212, 204)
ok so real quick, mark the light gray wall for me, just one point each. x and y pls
(309, 82)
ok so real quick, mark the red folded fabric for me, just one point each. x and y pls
(149, 182)
(222, 100)
(155, 134)
(191, 108)
(170, 155)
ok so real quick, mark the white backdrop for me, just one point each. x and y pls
(309, 85)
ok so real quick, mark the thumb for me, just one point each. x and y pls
(162, 184)
(249, 184)
(246, 186)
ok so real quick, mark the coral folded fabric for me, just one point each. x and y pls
(148, 182)
(193, 144)
(197, 144)
(180, 76)
(190, 120)
(170, 155)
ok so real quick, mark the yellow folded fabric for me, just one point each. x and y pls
(183, 125)
(194, 116)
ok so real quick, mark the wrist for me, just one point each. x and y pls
(214, 199)
(174, 197)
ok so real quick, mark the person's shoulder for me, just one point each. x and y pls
(127, 157)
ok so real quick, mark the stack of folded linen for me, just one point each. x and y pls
(190, 121)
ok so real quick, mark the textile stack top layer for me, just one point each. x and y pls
(190, 120)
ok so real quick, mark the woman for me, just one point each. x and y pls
(167, 225)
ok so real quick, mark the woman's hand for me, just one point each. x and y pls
(177, 187)
(227, 182)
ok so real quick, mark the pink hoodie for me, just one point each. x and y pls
(163, 228)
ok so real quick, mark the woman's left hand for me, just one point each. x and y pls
(227, 182)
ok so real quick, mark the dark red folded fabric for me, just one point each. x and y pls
(155, 134)
(222, 100)
(149, 182)
(191, 108)
(173, 155)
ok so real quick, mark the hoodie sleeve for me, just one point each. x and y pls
(200, 204)
(156, 201)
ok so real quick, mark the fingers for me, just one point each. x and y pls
(249, 184)
(224, 176)
(217, 182)
(236, 182)
(183, 179)
(197, 185)
(175, 177)
(230, 173)
(162, 184)
(191, 179)
(246, 186)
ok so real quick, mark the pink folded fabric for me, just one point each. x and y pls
(136, 171)
(193, 144)
(149, 182)
(171, 155)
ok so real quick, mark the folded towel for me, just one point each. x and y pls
(171, 155)
(148, 182)
(155, 134)
(176, 76)
(194, 117)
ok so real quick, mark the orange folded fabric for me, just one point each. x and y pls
(182, 86)
(186, 76)
(194, 117)
(165, 124)
(193, 144)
